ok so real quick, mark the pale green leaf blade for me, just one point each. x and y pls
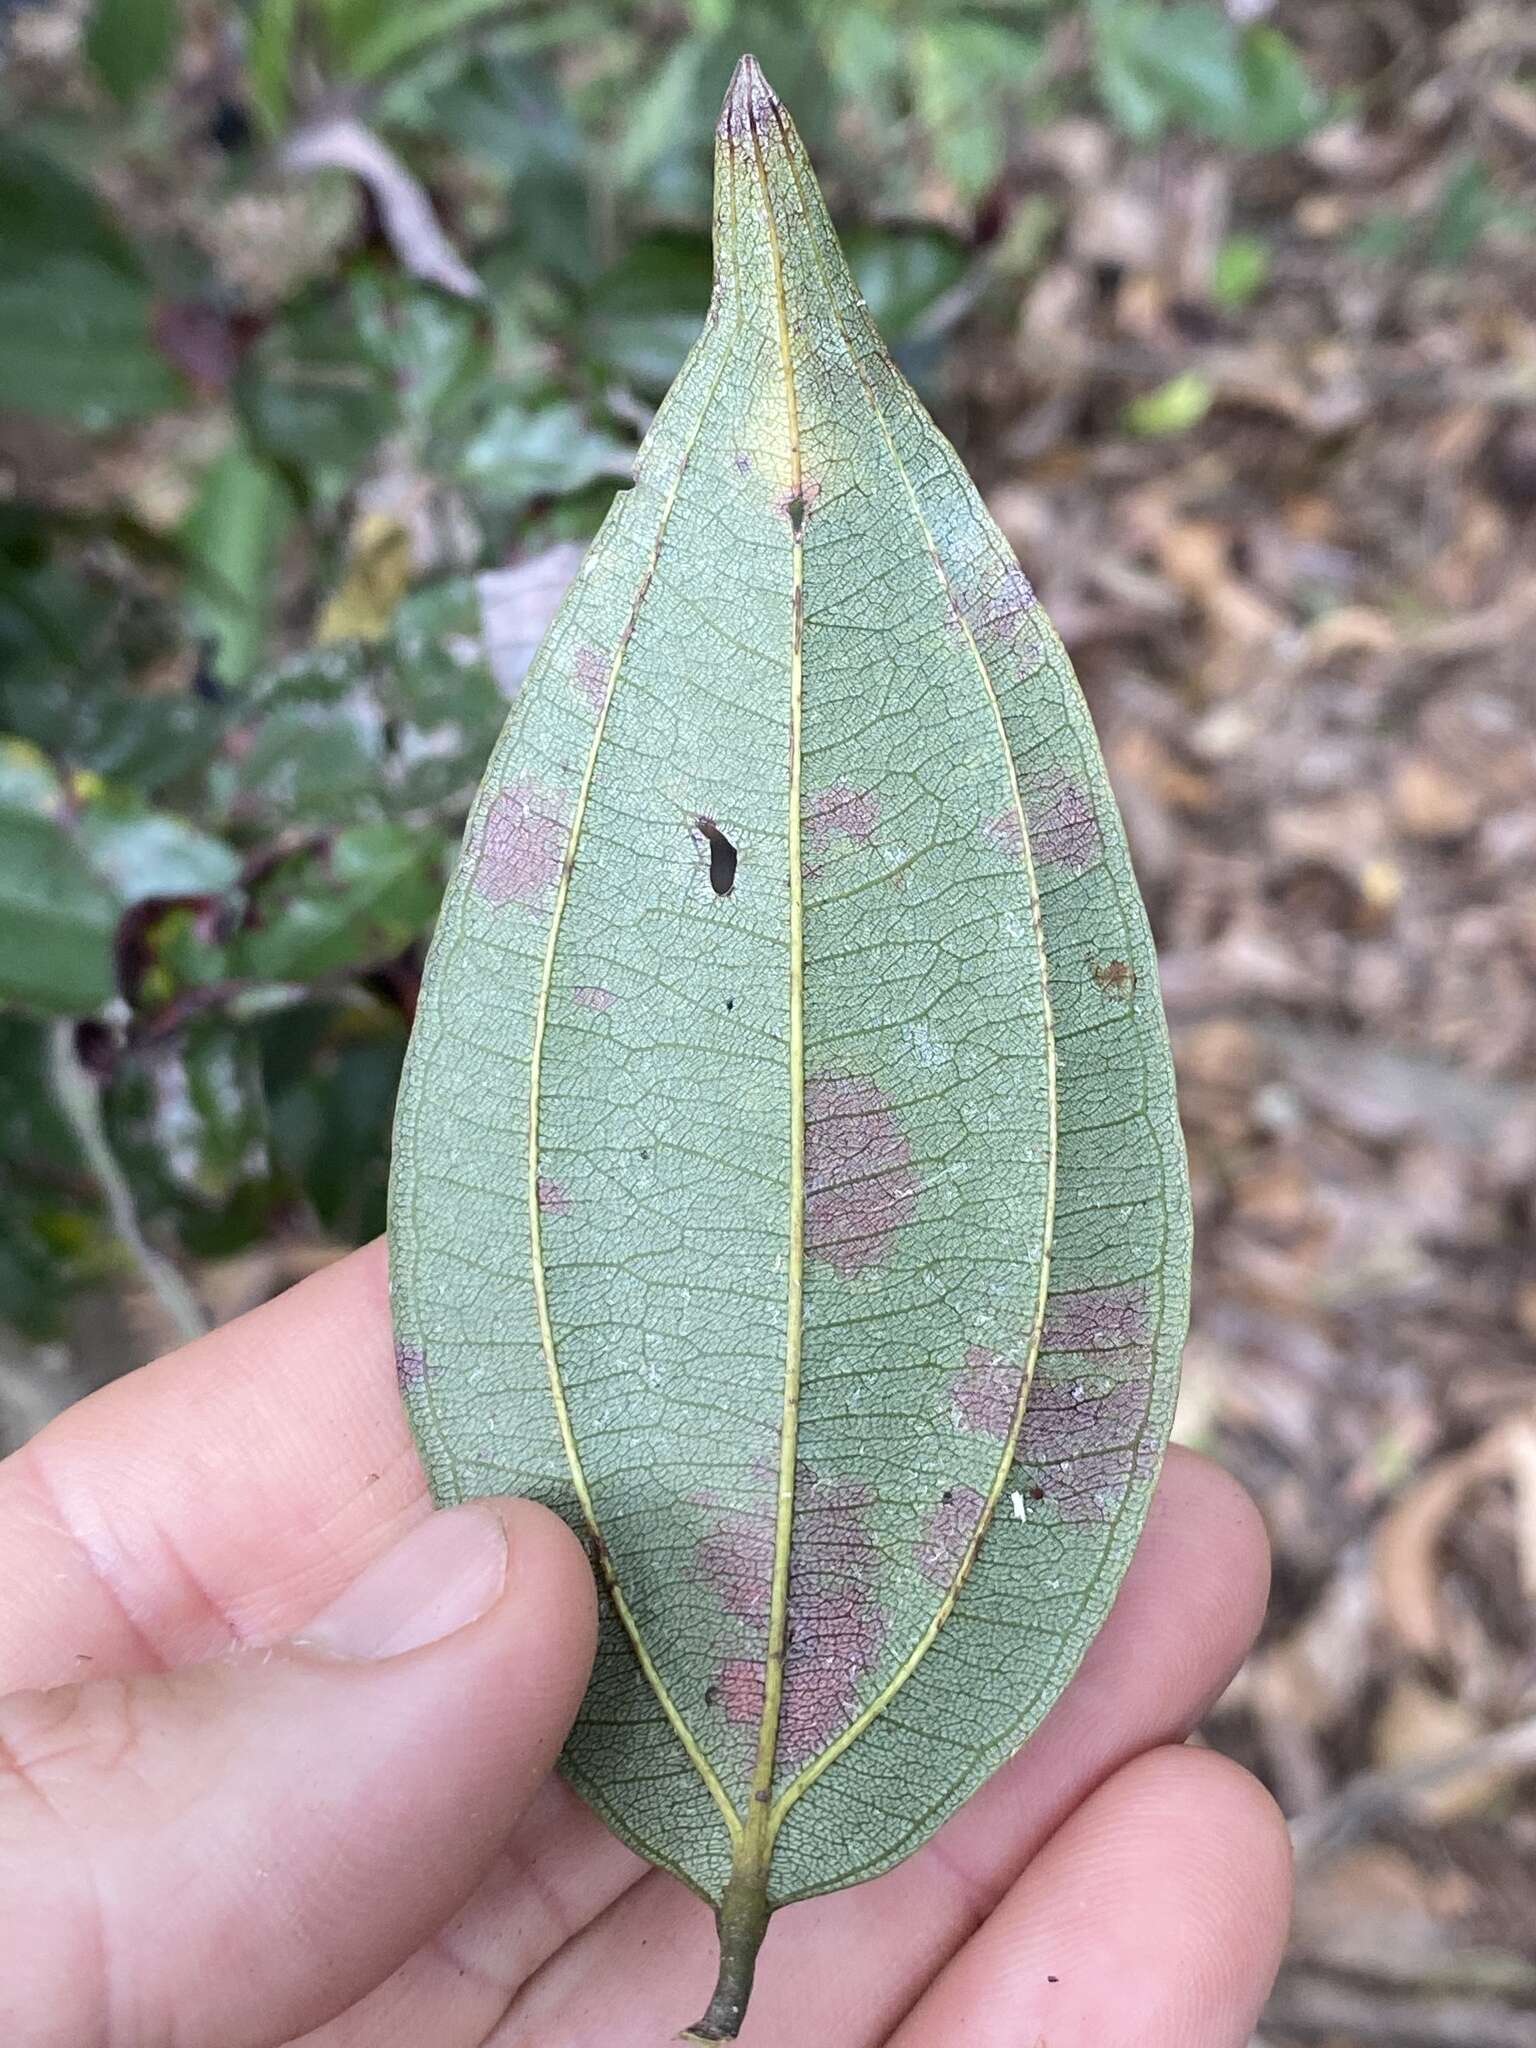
(788, 1186)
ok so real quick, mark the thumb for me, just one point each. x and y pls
(236, 1851)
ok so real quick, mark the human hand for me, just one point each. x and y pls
(294, 1779)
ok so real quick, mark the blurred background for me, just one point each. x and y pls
(328, 327)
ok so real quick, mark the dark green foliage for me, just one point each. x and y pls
(244, 693)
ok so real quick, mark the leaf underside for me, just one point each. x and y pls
(808, 1227)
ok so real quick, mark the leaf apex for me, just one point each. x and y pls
(749, 100)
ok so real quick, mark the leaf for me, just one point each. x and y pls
(269, 56)
(130, 44)
(642, 315)
(57, 918)
(231, 539)
(76, 314)
(1156, 65)
(143, 853)
(369, 38)
(518, 453)
(788, 1185)
(71, 862)
(359, 901)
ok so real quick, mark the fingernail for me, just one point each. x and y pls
(444, 1575)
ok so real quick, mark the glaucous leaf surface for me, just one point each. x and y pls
(788, 1187)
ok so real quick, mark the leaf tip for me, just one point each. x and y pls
(750, 101)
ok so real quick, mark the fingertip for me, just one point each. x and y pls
(1154, 1917)
(1206, 1540)
(548, 1565)
(1241, 1832)
(1222, 1853)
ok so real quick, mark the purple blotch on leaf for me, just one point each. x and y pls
(947, 1533)
(522, 844)
(1098, 1319)
(836, 1627)
(410, 1366)
(1063, 827)
(860, 1184)
(1082, 1449)
(590, 674)
(591, 998)
(555, 1198)
(840, 812)
(985, 1393)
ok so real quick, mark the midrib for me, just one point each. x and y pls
(758, 1814)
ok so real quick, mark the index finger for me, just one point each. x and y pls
(222, 1495)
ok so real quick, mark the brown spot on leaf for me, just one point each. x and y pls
(947, 1533)
(522, 844)
(840, 812)
(1116, 978)
(555, 1198)
(591, 673)
(836, 1630)
(985, 1392)
(410, 1366)
(860, 1183)
(1081, 1449)
(598, 999)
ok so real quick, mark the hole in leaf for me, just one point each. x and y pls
(796, 510)
(722, 857)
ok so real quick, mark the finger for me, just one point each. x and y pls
(1154, 1918)
(218, 1497)
(847, 1966)
(237, 1850)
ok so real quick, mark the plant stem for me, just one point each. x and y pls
(742, 1921)
(79, 1098)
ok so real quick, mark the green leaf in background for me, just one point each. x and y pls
(522, 451)
(1240, 269)
(903, 272)
(70, 865)
(1191, 63)
(187, 1110)
(311, 399)
(231, 539)
(57, 917)
(788, 1186)
(355, 901)
(76, 313)
(1174, 407)
(368, 37)
(129, 43)
(643, 314)
(143, 853)
(331, 1075)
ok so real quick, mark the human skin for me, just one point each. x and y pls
(276, 1749)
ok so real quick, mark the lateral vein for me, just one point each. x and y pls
(603, 1559)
